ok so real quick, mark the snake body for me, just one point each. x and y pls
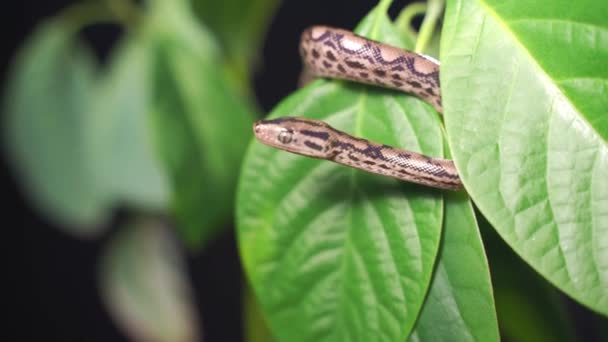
(341, 54)
(337, 53)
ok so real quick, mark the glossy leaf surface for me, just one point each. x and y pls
(334, 253)
(525, 97)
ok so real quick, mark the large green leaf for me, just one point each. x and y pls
(331, 252)
(200, 124)
(144, 285)
(47, 105)
(525, 95)
(459, 305)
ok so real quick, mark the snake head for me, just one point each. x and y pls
(307, 137)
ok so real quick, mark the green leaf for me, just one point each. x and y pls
(525, 97)
(119, 131)
(143, 284)
(201, 125)
(528, 308)
(459, 305)
(331, 252)
(240, 26)
(47, 105)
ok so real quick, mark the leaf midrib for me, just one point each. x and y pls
(551, 82)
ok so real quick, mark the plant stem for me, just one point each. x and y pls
(383, 5)
(434, 10)
(404, 20)
(86, 13)
(125, 11)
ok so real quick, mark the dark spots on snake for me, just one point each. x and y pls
(404, 155)
(315, 134)
(369, 162)
(330, 56)
(354, 65)
(430, 91)
(414, 84)
(341, 68)
(396, 77)
(379, 81)
(374, 152)
(397, 68)
(383, 166)
(364, 74)
(292, 119)
(435, 76)
(330, 44)
(315, 54)
(380, 72)
(397, 84)
(353, 158)
(371, 151)
(421, 93)
(313, 145)
(327, 64)
(409, 63)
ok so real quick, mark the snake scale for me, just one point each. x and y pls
(336, 53)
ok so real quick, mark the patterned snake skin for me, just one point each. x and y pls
(337, 53)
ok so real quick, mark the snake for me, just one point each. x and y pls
(329, 52)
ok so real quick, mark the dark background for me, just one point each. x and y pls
(52, 277)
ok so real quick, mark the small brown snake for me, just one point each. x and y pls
(341, 54)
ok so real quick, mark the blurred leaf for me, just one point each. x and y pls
(48, 103)
(334, 253)
(529, 308)
(144, 285)
(459, 305)
(119, 130)
(201, 125)
(525, 89)
(240, 26)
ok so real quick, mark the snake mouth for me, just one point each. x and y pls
(256, 127)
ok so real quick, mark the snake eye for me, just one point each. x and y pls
(285, 137)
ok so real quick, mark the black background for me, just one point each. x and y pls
(52, 277)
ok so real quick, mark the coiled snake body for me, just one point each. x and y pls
(337, 53)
